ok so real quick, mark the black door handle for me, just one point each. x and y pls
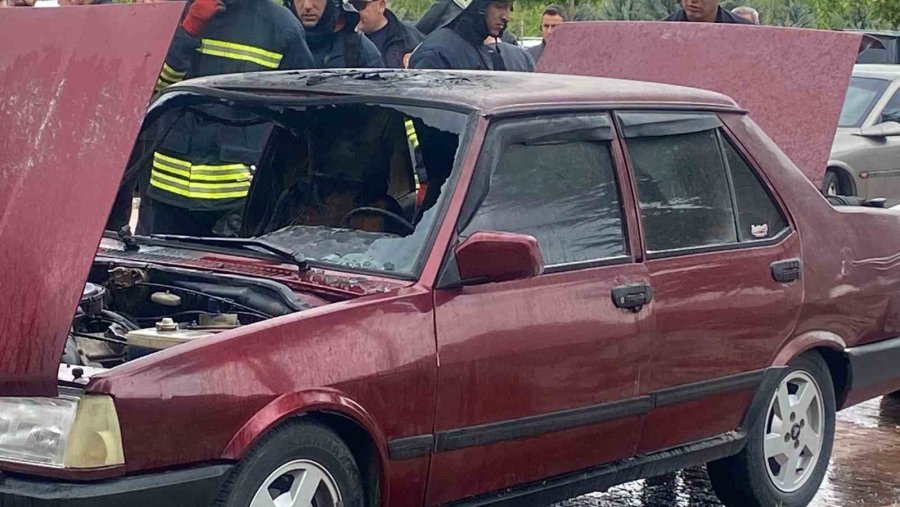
(787, 271)
(632, 297)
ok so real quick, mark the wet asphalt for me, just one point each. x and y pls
(864, 469)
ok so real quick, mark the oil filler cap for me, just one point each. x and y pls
(166, 324)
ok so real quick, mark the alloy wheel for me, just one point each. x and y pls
(300, 483)
(794, 431)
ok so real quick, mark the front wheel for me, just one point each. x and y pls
(831, 185)
(298, 464)
(787, 452)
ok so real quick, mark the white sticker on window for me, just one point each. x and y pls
(759, 231)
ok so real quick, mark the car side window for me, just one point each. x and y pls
(553, 178)
(682, 184)
(891, 111)
(759, 217)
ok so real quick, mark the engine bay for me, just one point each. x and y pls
(129, 312)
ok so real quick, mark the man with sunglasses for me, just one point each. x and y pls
(393, 38)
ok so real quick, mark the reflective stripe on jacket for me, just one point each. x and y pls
(204, 164)
(181, 177)
(247, 37)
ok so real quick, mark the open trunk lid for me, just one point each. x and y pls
(74, 85)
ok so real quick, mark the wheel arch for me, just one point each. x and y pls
(845, 173)
(831, 348)
(350, 421)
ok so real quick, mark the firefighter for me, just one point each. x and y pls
(332, 37)
(460, 45)
(202, 168)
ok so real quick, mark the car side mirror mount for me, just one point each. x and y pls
(489, 257)
(886, 129)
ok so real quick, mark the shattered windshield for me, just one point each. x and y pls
(355, 186)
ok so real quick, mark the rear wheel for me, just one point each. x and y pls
(299, 464)
(787, 452)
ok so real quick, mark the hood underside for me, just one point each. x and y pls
(792, 81)
(72, 102)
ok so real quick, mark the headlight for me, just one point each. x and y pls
(61, 432)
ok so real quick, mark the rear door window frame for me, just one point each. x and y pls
(723, 136)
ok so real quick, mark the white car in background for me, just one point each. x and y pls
(865, 156)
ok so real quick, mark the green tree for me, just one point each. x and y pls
(794, 13)
(858, 13)
(636, 10)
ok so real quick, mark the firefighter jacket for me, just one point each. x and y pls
(205, 160)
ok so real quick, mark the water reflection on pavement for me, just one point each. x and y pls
(864, 471)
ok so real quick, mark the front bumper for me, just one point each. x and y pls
(195, 487)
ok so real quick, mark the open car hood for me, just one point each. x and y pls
(74, 85)
(792, 81)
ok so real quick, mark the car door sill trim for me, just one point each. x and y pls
(601, 478)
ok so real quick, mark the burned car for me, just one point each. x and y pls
(605, 280)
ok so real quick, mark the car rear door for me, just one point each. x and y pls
(715, 240)
(538, 377)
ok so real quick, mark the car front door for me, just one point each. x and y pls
(715, 239)
(881, 159)
(538, 377)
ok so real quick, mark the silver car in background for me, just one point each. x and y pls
(865, 157)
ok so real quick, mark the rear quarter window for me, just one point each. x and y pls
(759, 217)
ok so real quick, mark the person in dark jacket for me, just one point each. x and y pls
(393, 38)
(232, 36)
(508, 56)
(704, 11)
(442, 12)
(332, 37)
(396, 41)
(461, 44)
(200, 171)
(552, 17)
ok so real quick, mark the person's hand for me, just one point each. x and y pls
(199, 15)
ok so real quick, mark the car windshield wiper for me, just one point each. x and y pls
(287, 254)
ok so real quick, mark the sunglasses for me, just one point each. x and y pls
(359, 4)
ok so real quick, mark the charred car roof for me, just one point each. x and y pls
(486, 92)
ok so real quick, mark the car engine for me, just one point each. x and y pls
(129, 312)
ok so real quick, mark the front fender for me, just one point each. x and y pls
(324, 400)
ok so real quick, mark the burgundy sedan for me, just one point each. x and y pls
(557, 285)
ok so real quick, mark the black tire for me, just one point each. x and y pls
(833, 181)
(743, 480)
(294, 440)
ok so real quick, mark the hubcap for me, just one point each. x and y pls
(300, 483)
(795, 428)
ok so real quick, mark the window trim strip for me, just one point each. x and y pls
(774, 240)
